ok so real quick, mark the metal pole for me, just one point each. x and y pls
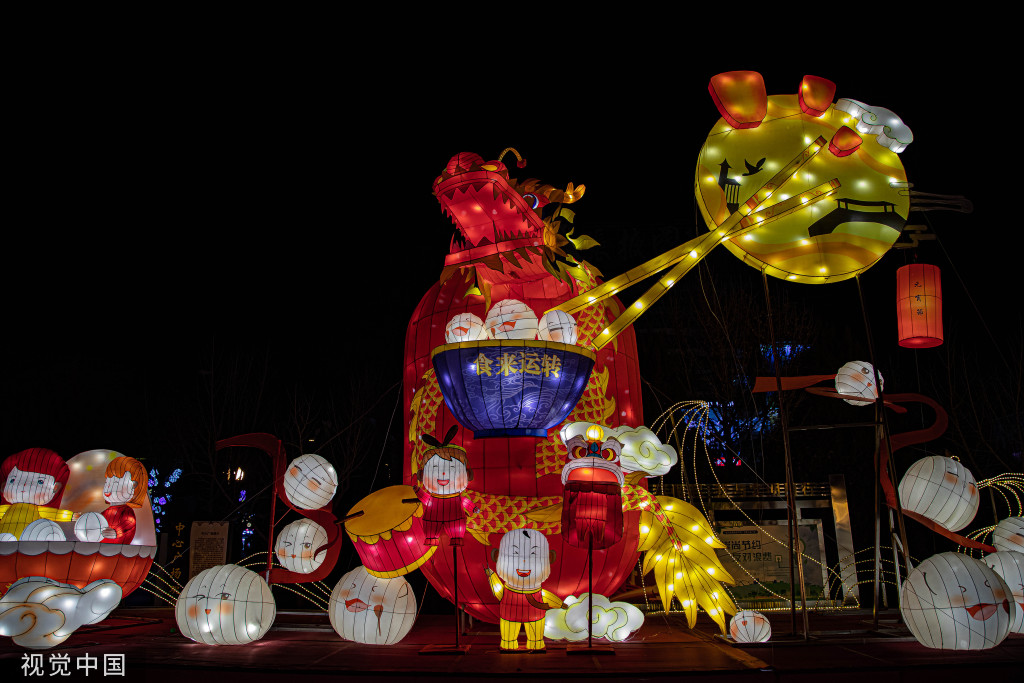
(590, 597)
(878, 523)
(455, 583)
(794, 554)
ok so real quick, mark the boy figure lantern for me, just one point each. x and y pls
(592, 503)
(34, 481)
(443, 478)
(523, 562)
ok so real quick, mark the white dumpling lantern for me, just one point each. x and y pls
(225, 605)
(1009, 565)
(941, 489)
(371, 610)
(464, 327)
(955, 602)
(296, 546)
(558, 326)
(90, 526)
(310, 482)
(1009, 534)
(511, 319)
(748, 626)
(857, 378)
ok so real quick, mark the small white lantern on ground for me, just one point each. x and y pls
(749, 626)
(225, 605)
(371, 610)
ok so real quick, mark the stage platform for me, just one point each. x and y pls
(302, 646)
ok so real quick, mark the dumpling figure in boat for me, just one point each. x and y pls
(34, 482)
(124, 489)
(444, 477)
(523, 562)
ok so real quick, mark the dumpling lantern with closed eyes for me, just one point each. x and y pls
(310, 482)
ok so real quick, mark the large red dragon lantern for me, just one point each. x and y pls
(507, 245)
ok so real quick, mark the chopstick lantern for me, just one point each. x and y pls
(919, 306)
(592, 494)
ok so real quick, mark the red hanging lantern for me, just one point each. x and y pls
(919, 306)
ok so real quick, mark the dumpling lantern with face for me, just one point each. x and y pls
(225, 605)
(511, 319)
(954, 602)
(857, 378)
(297, 544)
(522, 563)
(558, 326)
(464, 327)
(1009, 534)
(941, 489)
(1010, 567)
(372, 610)
(310, 482)
(748, 626)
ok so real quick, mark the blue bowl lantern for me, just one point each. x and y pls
(503, 388)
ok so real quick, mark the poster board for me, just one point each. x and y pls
(208, 546)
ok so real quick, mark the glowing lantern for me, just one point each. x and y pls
(389, 535)
(442, 479)
(39, 613)
(511, 319)
(297, 544)
(592, 502)
(225, 605)
(919, 306)
(372, 610)
(614, 621)
(857, 378)
(34, 481)
(748, 626)
(523, 562)
(954, 602)
(941, 489)
(464, 327)
(1009, 534)
(310, 482)
(557, 326)
(1010, 567)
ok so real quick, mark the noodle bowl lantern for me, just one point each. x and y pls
(514, 387)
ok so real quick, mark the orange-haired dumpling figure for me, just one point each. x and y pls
(523, 562)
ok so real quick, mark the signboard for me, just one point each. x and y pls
(208, 546)
(759, 553)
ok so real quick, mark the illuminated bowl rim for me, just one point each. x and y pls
(524, 343)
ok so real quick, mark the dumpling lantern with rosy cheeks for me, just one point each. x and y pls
(464, 327)
(225, 605)
(522, 563)
(372, 610)
(511, 319)
(954, 602)
(857, 378)
(1010, 567)
(941, 489)
(558, 326)
(310, 482)
(1009, 534)
(748, 626)
(297, 544)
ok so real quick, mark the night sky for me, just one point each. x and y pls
(175, 226)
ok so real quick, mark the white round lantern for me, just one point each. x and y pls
(371, 610)
(464, 327)
(310, 482)
(1009, 565)
(749, 626)
(90, 526)
(225, 605)
(955, 602)
(857, 378)
(1009, 534)
(296, 545)
(941, 489)
(511, 319)
(557, 326)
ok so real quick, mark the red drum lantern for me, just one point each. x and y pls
(919, 306)
(389, 534)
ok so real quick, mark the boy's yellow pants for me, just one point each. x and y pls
(510, 634)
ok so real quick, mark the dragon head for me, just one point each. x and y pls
(499, 221)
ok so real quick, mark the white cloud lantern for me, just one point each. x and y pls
(1009, 565)
(225, 605)
(748, 626)
(511, 319)
(372, 610)
(857, 378)
(310, 482)
(296, 545)
(954, 602)
(941, 489)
